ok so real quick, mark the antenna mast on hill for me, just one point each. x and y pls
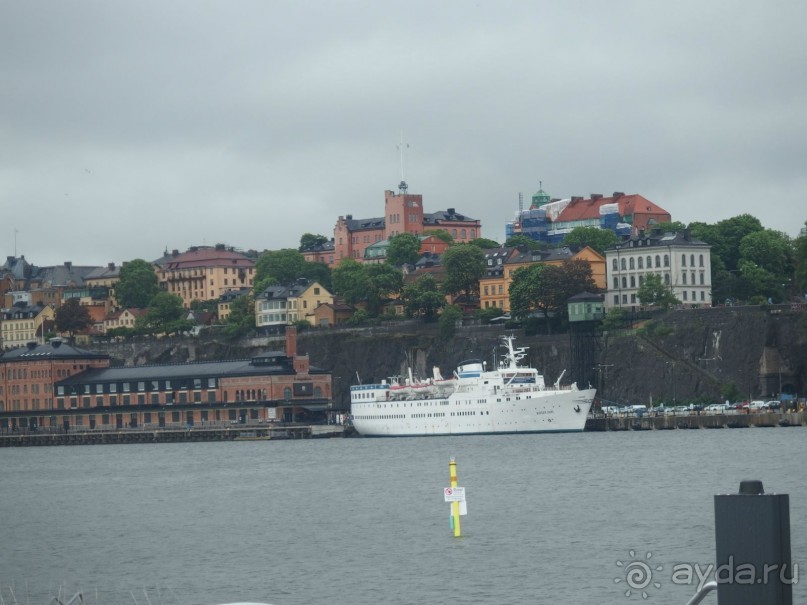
(401, 148)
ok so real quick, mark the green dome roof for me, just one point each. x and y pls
(540, 198)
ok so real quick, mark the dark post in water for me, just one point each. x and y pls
(752, 532)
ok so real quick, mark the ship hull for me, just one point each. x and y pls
(475, 413)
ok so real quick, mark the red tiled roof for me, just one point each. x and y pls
(583, 209)
(208, 257)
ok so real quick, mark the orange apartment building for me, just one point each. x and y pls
(494, 287)
(57, 386)
(205, 272)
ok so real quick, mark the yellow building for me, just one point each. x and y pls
(502, 263)
(23, 324)
(225, 304)
(205, 273)
(284, 305)
(104, 278)
(127, 318)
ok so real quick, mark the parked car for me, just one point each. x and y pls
(773, 405)
(756, 405)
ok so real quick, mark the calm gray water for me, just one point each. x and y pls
(363, 521)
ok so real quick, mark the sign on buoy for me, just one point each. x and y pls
(456, 496)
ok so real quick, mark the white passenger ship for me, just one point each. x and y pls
(509, 399)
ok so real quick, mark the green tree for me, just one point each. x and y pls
(165, 315)
(484, 243)
(447, 323)
(211, 305)
(350, 281)
(800, 260)
(403, 249)
(653, 292)
(770, 250)
(547, 288)
(573, 278)
(464, 265)
(527, 291)
(614, 319)
(384, 281)
(310, 240)
(485, 315)
(523, 240)
(594, 237)
(137, 284)
(278, 267)
(725, 236)
(241, 320)
(669, 226)
(72, 317)
(757, 283)
(422, 298)
(318, 272)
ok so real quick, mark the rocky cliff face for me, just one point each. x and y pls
(679, 356)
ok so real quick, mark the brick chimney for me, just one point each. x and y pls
(291, 341)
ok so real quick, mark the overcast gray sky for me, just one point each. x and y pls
(129, 128)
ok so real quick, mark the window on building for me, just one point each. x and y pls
(666, 279)
(614, 265)
(640, 263)
(683, 260)
(632, 281)
(631, 264)
(685, 294)
(658, 263)
(684, 278)
(701, 260)
(622, 264)
(691, 260)
(616, 299)
(649, 262)
(616, 283)
(624, 282)
(666, 260)
(702, 279)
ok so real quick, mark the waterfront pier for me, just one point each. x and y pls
(172, 435)
(695, 421)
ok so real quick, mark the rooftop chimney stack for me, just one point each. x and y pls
(291, 341)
